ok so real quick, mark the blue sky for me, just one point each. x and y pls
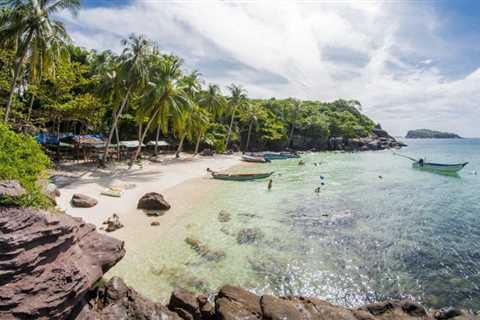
(412, 64)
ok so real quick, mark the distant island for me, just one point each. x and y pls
(430, 134)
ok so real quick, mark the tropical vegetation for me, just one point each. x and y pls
(141, 93)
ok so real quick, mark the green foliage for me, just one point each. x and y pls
(22, 159)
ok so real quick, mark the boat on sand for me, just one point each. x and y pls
(240, 176)
(249, 158)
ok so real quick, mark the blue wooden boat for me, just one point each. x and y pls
(277, 155)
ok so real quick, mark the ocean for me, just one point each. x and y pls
(377, 229)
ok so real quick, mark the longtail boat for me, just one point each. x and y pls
(446, 168)
(248, 158)
(437, 167)
(241, 176)
(278, 155)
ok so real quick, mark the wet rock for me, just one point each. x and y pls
(204, 251)
(448, 313)
(11, 188)
(118, 301)
(83, 201)
(236, 303)
(49, 262)
(113, 223)
(224, 216)
(277, 309)
(249, 235)
(153, 201)
(185, 304)
(155, 223)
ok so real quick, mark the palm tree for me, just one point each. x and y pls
(132, 75)
(238, 98)
(213, 100)
(296, 105)
(36, 36)
(252, 115)
(200, 122)
(165, 97)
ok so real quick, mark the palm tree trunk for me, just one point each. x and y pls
(230, 129)
(114, 124)
(16, 75)
(290, 136)
(117, 137)
(156, 139)
(249, 133)
(142, 137)
(30, 107)
(180, 146)
(197, 145)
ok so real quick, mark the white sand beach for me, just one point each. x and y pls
(135, 182)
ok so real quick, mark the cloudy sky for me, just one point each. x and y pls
(412, 64)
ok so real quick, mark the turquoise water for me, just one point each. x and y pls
(362, 238)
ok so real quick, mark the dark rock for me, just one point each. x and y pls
(447, 313)
(185, 304)
(122, 302)
(277, 309)
(155, 223)
(249, 235)
(49, 262)
(83, 201)
(11, 188)
(233, 303)
(204, 251)
(224, 216)
(153, 201)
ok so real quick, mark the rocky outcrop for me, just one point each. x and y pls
(371, 143)
(116, 301)
(11, 188)
(49, 262)
(82, 201)
(249, 235)
(153, 201)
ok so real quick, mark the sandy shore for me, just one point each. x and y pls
(162, 177)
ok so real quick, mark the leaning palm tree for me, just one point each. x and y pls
(296, 105)
(238, 98)
(132, 75)
(251, 115)
(165, 97)
(199, 124)
(213, 100)
(37, 37)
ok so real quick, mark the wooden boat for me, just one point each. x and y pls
(278, 155)
(241, 176)
(249, 158)
(446, 168)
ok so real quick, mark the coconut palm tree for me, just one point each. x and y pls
(238, 98)
(199, 124)
(132, 75)
(165, 98)
(213, 100)
(296, 105)
(251, 115)
(37, 37)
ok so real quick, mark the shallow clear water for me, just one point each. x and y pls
(362, 238)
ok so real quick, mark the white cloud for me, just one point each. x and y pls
(379, 53)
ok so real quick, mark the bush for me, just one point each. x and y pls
(22, 159)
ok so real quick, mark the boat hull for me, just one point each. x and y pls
(278, 155)
(446, 168)
(241, 177)
(254, 159)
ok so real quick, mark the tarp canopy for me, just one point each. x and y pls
(47, 138)
(95, 140)
(130, 144)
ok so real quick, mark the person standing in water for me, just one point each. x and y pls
(270, 184)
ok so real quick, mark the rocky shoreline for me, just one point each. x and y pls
(52, 267)
(379, 140)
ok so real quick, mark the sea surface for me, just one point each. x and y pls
(377, 229)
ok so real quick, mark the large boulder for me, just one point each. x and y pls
(82, 201)
(153, 201)
(118, 301)
(48, 262)
(11, 188)
(190, 307)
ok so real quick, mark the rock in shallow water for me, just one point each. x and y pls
(48, 262)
